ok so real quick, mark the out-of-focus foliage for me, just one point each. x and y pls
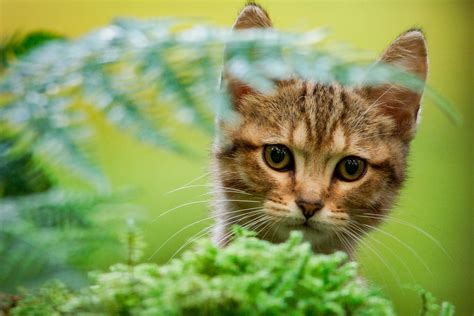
(16, 45)
(430, 305)
(46, 301)
(19, 174)
(249, 277)
(45, 235)
(124, 70)
(44, 230)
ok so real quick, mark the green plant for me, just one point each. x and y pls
(45, 235)
(16, 45)
(35, 213)
(249, 277)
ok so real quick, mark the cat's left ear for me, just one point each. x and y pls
(251, 16)
(409, 53)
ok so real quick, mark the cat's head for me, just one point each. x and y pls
(320, 158)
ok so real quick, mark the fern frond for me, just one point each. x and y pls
(131, 67)
(45, 235)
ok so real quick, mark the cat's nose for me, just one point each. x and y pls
(309, 208)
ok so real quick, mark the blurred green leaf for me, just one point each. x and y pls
(16, 45)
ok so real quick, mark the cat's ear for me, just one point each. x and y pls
(409, 53)
(251, 16)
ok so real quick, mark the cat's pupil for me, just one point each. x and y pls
(277, 154)
(351, 166)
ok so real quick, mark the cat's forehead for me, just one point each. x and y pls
(310, 116)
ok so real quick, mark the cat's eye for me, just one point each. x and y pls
(350, 168)
(278, 157)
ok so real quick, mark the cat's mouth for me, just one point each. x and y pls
(309, 226)
(313, 225)
(306, 226)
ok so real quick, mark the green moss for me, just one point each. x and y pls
(249, 277)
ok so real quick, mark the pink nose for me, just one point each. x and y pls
(309, 208)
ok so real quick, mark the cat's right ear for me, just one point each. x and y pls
(251, 16)
(408, 52)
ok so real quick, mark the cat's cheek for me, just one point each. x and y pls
(251, 172)
(328, 219)
(258, 178)
(357, 194)
(379, 191)
(281, 182)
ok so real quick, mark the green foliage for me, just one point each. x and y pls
(249, 277)
(19, 174)
(45, 235)
(135, 244)
(431, 307)
(48, 300)
(15, 46)
(44, 230)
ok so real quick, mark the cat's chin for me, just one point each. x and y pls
(313, 232)
(312, 226)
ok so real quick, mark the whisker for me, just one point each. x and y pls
(257, 224)
(265, 227)
(204, 232)
(237, 211)
(277, 221)
(198, 202)
(360, 240)
(190, 187)
(274, 222)
(255, 210)
(402, 243)
(377, 267)
(177, 233)
(354, 226)
(207, 186)
(228, 221)
(333, 243)
(344, 242)
(245, 226)
(227, 191)
(193, 238)
(411, 225)
(190, 182)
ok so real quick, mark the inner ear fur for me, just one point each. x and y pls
(409, 53)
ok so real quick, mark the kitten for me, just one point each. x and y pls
(323, 159)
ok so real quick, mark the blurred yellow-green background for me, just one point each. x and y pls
(438, 196)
